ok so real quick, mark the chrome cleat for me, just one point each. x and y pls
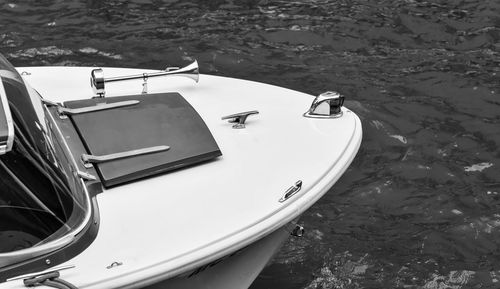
(239, 118)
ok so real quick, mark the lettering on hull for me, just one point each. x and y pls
(211, 264)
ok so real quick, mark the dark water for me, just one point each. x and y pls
(420, 206)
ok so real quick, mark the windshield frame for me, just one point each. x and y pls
(32, 252)
(5, 148)
(78, 187)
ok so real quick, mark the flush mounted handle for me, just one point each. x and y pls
(239, 118)
(291, 191)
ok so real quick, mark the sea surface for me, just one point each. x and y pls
(420, 205)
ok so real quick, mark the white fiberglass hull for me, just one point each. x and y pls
(163, 228)
(237, 270)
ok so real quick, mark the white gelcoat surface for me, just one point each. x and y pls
(171, 223)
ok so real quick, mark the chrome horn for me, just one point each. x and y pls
(97, 79)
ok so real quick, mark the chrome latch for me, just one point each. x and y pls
(326, 105)
(291, 191)
(239, 118)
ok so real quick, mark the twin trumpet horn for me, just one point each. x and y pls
(97, 80)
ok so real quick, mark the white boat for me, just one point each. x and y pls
(157, 181)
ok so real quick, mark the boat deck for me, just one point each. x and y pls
(169, 224)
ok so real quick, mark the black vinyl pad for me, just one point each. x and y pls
(158, 119)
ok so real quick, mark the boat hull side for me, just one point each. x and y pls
(233, 271)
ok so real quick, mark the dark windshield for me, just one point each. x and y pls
(38, 201)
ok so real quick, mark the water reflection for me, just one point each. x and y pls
(419, 207)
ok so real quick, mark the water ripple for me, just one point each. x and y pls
(419, 206)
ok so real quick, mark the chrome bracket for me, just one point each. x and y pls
(88, 160)
(326, 105)
(291, 191)
(35, 274)
(239, 118)
(97, 82)
(86, 176)
(64, 111)
(50, 102)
